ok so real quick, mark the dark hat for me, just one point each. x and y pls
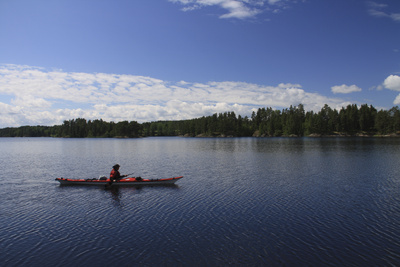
(116, 166)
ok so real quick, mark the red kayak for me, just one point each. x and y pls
(123, 181)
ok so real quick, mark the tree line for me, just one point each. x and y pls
(77, 128)
(292, 121)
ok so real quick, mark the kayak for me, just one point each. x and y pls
(123, 181)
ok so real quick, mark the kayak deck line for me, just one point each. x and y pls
(123, 181)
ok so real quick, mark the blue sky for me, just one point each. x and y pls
(179, 59)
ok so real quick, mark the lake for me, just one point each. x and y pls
(242, 202)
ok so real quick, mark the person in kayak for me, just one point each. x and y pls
(115, 175)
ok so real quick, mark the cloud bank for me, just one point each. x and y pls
(36, 96)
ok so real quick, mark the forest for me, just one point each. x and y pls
(265, 122)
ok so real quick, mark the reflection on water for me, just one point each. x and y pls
(115, 195)
(117, 192)
(243, 201)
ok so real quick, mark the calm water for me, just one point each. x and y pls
(248, 201)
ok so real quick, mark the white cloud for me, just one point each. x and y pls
(392, 82)
(345, 89)
(373, 4)
(376, 10)
(31, 102)
(240, 9)
(31, 95)
(6, 110)
(397, 100)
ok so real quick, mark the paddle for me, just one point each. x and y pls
(122, 176)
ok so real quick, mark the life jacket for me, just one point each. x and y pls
(115, 174)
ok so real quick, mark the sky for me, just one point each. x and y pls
(150, 60)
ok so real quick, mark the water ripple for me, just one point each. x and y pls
(250, 202)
